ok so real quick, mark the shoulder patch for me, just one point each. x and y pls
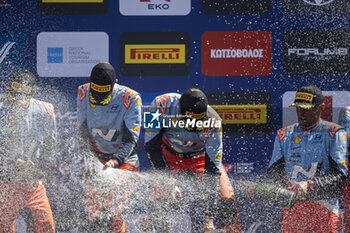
(333, 128)
(162, 103)
(282, 133)
(128, 97)
(82, 91)
(213, 114)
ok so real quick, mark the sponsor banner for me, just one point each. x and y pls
(70, 54)
(234, 7)
(229, 53)
(316, 52)
(12, 53)
(312, 7)
(72, 7)
(334, 101)
(155, 7)
(11, 7)
(155, 53)
(243, 114)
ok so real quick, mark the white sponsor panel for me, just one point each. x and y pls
(155, 7)
(339, 99)
(70, 54)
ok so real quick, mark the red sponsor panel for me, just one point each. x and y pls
(240, 53)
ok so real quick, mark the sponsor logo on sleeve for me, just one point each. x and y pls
(12, 53)
(155, 7)
(155, 53)
(315, 53)
(70, 54)
(72, 7)
(236, 53)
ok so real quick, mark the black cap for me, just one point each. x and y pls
(308, 97)
(102, 80)
(194, 102)
(22, 85)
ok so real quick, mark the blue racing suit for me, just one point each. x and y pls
(112, 132)
(115, 128)
(317, 155)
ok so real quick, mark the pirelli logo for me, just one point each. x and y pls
(304, 96)
(241, 114)
(21, 88)
(155, 54)
(100, 88)
(72, 1)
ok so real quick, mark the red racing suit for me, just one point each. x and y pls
(317, 155)
(26, 135)
(173, 148)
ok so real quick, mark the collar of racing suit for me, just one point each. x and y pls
(310, 128)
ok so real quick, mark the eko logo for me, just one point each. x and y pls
(318, 2)
(155, 7)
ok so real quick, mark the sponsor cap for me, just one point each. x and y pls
(22, 85)
(194, 103)
(102, 80)
(308, 97)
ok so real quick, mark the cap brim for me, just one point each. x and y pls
(302, 105)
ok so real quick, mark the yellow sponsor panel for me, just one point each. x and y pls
(241, 114)
(72, 1)
(155, 53)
